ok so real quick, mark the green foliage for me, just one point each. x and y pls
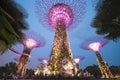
(11, 67)
(8, 68)
(107, 19)
(11, 24)
(94, 70)
(115, 70)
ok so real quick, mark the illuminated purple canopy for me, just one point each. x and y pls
(33, 40)
(94, 43)
(60, 13)
(78, 59)
(71, 12)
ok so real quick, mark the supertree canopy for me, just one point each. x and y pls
(60, 13)
(31, 40)
(51, 12)
(78, 59)
(95, 44)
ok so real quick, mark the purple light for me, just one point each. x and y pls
(78, 59)
(33, 40)
(95, 46)
(52, 12)
(94, 43)
(16, 52)
(30, 43)
(60, 13)
(44, 61)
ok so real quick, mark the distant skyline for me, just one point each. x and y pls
(109, 52)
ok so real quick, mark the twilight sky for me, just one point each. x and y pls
(109, 52)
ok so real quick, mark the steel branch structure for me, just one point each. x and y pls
(61, 15)
(95, 44)
(32, 40)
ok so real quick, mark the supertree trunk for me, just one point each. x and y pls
(23, 62)
(61, 54)
(103, 67)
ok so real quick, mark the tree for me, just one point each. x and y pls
(11, 24)
(10, 67)
(107, 19)
(115, 70)
(94, 70)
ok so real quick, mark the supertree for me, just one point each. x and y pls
(31, 40)
(77, 61)
(43, 68)
(60, 15)
(95, 44)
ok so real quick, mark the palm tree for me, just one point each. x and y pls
(107, 19)
(11, 24)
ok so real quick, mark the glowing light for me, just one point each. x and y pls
(95, 46)
(36, 72)
(44, 61)
(94, 43)
(68, 66)
(77, 60)
(33, 40)
(30, 43)
(60, 13)
(70, 12)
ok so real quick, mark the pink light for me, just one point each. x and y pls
(43, 61)
(30, 43)
(58, 13)
(77, 60)
(95, 46)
